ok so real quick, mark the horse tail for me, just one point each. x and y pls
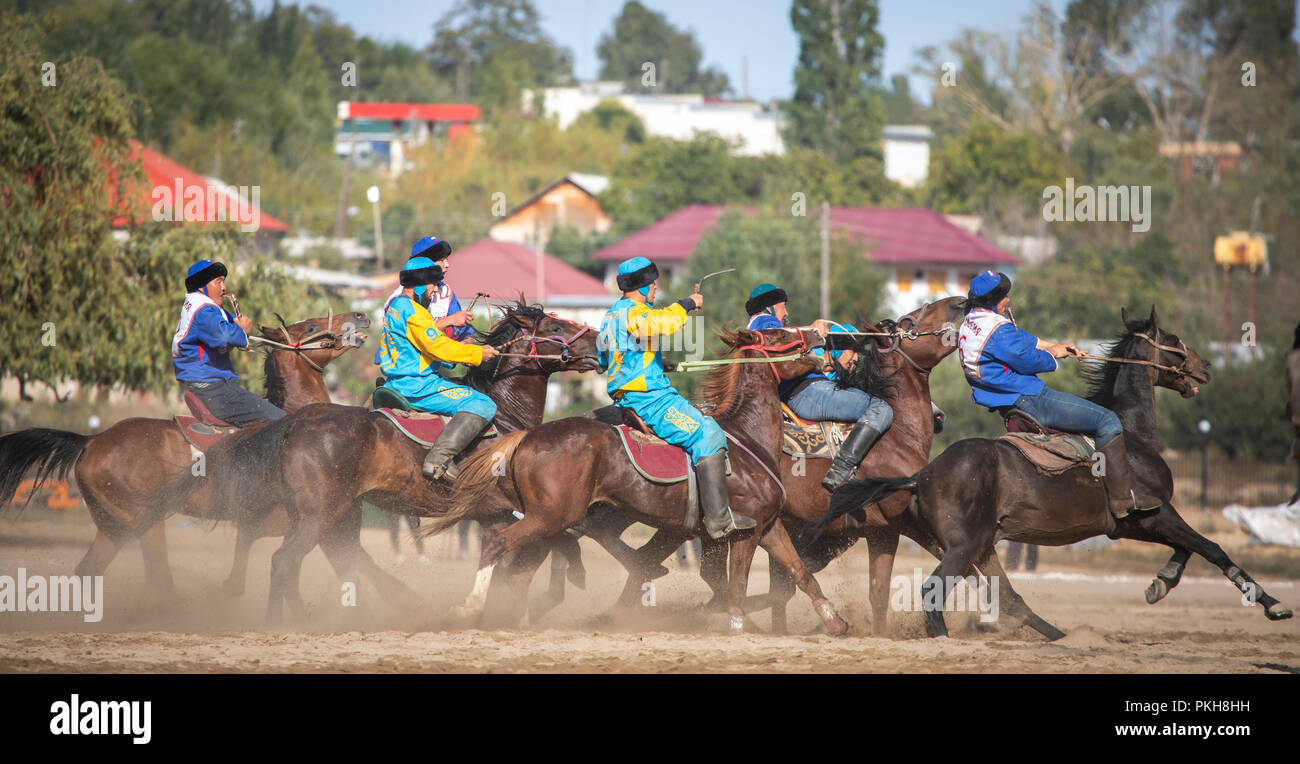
(478, 476)
(859, 493)
(50, 451)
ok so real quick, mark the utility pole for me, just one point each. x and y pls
(341, 216)
(826, 261)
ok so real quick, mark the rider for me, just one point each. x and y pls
(816, 396)
(410, 347)
(443, 304)
(629, 355)
(201, 349)
(1001, 362)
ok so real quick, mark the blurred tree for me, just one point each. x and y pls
(834, 108)
(642, 36)
(610, 116)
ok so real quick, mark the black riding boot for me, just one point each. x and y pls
(860, 440)
(719, 520)
(463, 428)
(1123, 494)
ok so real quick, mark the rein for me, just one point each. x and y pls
(1178, 370)
(761, 347)
(533, 338)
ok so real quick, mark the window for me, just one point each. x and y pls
(904, 281)
(938, 281)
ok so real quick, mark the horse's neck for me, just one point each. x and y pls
(911, 404)
(520, 396)
(292, 383)
(1133, 399)
(757, 415)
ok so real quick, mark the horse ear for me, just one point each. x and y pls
(1153, 318)
(265, 330)
(1123, 314)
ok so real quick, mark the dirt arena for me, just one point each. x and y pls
(1096, 596)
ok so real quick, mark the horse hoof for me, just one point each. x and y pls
(736, 625)
(835, 626)
(1277, 612)
(1157, 590)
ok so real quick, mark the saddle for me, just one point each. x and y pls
(1051, 451)
(811, 440)
(421, 427)
(203, 429)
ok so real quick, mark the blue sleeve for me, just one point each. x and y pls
(1018, 349)
(766, 321)
(212, 329)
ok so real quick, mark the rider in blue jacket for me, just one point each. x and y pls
(201, 349)
(1001, 362)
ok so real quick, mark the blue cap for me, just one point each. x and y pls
(841, 328)
(431, 247)
(984, 283)
(633, 265)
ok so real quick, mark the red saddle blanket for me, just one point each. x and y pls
(201, 436)
(656, 459)
(421, 427)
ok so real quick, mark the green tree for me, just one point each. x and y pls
(641, 36)
(835, 108)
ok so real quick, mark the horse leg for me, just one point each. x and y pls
(713, 569)
(101, 552)
(643, 565)
(1174, 531)
(989, 566)
(157, 573)
(882, 545)
(740, 559)
(341, 545)
(507, 597)
(934, 590)
(233, 586)
(561, 557)
(780, 588)
(286, 565)
(778, 545)
(1168, 576)
(496, 546)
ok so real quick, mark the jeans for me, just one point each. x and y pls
(823, 401)
(1062, 411)
(231, 403)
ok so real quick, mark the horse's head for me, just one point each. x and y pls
(1152, 343)
(529, 329)
(320, 340)
(930, 332)
(775, 343)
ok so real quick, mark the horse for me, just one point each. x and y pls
(122, 470)
(557, 472)
(322, 462)
(885, 366)
(980, 491)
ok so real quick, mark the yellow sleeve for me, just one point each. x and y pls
(646, 322)
(436, 346)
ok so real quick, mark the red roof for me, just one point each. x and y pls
(424, 112)
(163, 173)
(504, 270)
(901, 235)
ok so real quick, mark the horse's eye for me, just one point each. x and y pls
(311, 327)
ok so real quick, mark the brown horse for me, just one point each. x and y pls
(122, 470)
(557, 472)
(980, 491)
(903, 363)
(322, 462)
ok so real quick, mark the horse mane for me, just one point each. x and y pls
(718, 389)
(1101, 379)
(1296, 344)
(480, 377)
(865, 374)
(276, 388)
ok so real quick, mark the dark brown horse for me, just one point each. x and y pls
(903, 364)
(122, 471)
(557, 472)
(322, 462)
(980, 491)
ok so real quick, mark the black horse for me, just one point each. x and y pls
(980, 491)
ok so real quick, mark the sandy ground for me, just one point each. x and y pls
(1201, 627)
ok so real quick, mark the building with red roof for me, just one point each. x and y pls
(172, 192)
(925, 254)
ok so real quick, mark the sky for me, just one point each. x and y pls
(727, 30)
